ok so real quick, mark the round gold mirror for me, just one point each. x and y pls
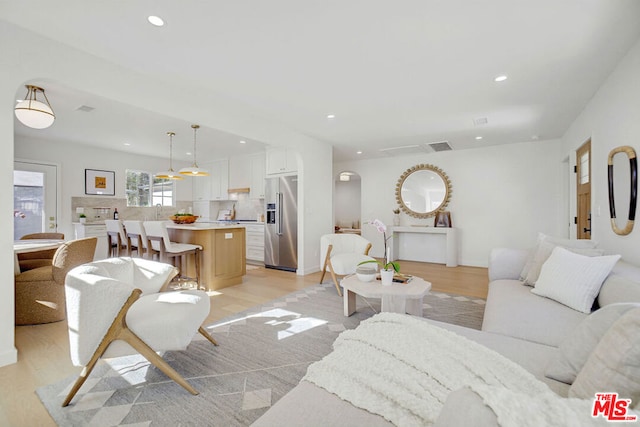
(423, 190)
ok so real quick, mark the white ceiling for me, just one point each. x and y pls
(395, 73)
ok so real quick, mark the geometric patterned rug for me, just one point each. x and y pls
(263, 353)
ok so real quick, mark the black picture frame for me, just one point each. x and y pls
(99, 182)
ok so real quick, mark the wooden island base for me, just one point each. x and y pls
(223, 257)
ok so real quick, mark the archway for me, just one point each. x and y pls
(347, 202)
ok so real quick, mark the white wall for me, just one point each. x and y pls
(611, 119)
(501, 195)
(27, 56)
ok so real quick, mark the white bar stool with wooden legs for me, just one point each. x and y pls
(116, 237)
(158, 240)
(137, 237)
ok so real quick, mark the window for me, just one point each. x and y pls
(143, 189)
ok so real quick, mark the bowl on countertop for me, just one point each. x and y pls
(366, 273)
(183, 219)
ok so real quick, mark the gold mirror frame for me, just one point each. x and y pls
(633, 189)
(421, 167)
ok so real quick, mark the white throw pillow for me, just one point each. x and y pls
(614, 365)
(575, 349)
(573, 279)
(543, 249)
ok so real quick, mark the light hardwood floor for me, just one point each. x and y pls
(43, 350)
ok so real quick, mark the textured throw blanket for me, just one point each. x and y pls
(403, 368)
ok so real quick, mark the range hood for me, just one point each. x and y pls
(238, 190)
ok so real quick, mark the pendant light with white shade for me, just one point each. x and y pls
(170, 174)
(33, 113)
(194, 170)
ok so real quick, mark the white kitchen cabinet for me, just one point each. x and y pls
(258, 168)
(94, 230)
(202, 184)
(240, 171)
(255, 242)
(281, 160)
(219, 175)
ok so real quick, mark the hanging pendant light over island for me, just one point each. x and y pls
(194, 170)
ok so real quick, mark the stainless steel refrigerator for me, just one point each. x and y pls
(281, 228)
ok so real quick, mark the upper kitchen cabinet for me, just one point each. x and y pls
(281, 160)
(219, 179)
(202, 184)
(240, 172)
(216, 185)
(258, 167)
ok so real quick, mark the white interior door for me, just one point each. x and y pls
(35, 198)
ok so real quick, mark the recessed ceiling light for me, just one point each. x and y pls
(478, 138)
(126, 143)
(155, 20)
(188, 153)
(535, 137)
(500, 78)
(331, 116)
(358, 152)
(243, 142)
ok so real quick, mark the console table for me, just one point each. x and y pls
(425, 244)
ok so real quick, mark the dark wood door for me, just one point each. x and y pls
(583, 190)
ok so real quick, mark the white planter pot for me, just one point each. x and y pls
(386, 277)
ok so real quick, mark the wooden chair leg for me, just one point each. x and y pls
(197, 255)
(205, 334)
(335, 279)
(141, 347)
(326, 262)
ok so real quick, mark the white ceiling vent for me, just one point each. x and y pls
(402, 151)
(440, 146)
(480, 121)
(85, 108)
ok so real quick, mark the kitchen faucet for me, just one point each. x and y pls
(158, 211)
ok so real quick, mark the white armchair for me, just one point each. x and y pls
(115, 308)
(341, 253)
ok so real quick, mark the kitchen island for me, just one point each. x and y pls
(223, 259)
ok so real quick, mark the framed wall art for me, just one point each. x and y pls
(443, 219)
(99, 182)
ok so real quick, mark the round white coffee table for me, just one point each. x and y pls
(397, 298)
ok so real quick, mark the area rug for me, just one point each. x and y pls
(262, 354)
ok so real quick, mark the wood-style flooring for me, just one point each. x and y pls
(43, 350)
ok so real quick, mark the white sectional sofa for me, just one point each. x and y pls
(531, 330)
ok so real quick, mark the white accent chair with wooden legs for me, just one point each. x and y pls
(341, 253)
(115, 308)
(158, 240)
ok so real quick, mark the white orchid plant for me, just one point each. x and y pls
(388, 264)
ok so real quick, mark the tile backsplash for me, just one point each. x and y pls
(97, 209)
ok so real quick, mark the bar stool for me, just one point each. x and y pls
(158, 240)
(116, 237)
(137, 237)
